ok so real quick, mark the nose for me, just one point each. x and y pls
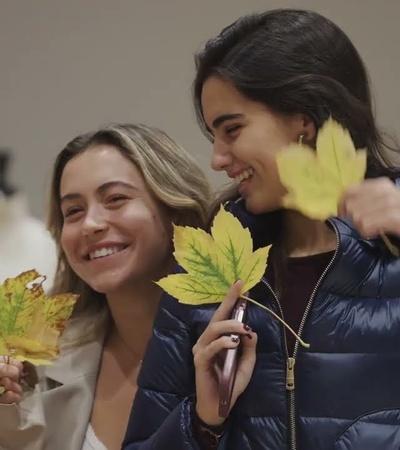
(221, 157)
(95, 222)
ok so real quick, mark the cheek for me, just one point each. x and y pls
(266, 140)
(67, 241)
(252, 144)
(163, 229)
(166, 225)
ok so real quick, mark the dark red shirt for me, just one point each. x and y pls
(301, 277)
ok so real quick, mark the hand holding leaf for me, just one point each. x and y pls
(215, 262)
(317, 179)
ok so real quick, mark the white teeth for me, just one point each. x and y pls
(104, 252)
(244, 175)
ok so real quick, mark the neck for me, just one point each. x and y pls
(304, 237)
(133, 313)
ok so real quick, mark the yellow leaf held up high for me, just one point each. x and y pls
(214, 262)
(316, 179)
(31, 322)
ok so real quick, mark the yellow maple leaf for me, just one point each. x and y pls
(214, 262)
(316, 179)
(30, 322)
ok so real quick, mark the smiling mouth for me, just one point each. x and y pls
(245, 175)
(105, 251)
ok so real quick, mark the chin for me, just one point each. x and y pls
(104, 286)
(258, 206)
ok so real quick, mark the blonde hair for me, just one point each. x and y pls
(170, 174)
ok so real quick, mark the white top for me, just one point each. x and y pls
(91, 442)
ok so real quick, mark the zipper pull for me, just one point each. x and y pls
(290, 374)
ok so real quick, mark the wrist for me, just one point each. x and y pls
(212, 421)
(207, 435)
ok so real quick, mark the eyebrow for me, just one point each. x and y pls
(224, 118)
(100, 190)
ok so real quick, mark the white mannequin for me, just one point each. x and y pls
(24, 241)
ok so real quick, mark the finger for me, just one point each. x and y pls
(10, 371)
(248, 352)
(358, 205)
(368, 192)
(206, 357)
(375, 219)
(370, 216)
(9, 398)
(9, 360)
(246, 363)
(225, 309)
(248, 343)
(10, 385)
(217, 329)
(369, 187)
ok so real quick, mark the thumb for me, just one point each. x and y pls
(225, 309)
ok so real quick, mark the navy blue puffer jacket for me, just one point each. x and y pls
(347, 384)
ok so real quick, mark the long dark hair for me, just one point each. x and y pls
(297, 61)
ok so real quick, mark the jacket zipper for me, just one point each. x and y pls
(291, 360)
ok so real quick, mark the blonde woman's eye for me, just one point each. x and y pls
(117, 198)
(72, 211)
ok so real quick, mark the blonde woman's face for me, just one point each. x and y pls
(114, 234)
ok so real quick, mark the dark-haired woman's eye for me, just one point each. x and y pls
(230, 130)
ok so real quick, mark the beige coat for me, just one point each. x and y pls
(56, 415)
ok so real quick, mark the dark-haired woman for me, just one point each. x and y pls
(266, 81)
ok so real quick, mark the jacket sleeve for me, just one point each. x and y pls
(22, 426)
(161, 414)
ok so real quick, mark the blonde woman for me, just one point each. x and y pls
(115, 194)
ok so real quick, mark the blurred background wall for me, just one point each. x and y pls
(70, 66)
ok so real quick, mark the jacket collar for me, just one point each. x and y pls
(76, 362)
(356, 258)
(264, 228)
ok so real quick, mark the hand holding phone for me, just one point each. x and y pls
(230, 363)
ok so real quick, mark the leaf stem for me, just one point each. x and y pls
(304, 344)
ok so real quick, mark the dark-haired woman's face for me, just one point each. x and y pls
(247, 137)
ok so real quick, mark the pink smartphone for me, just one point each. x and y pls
(229, 364)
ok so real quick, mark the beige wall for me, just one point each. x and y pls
(69, 66)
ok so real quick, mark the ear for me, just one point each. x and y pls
(309, 130)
